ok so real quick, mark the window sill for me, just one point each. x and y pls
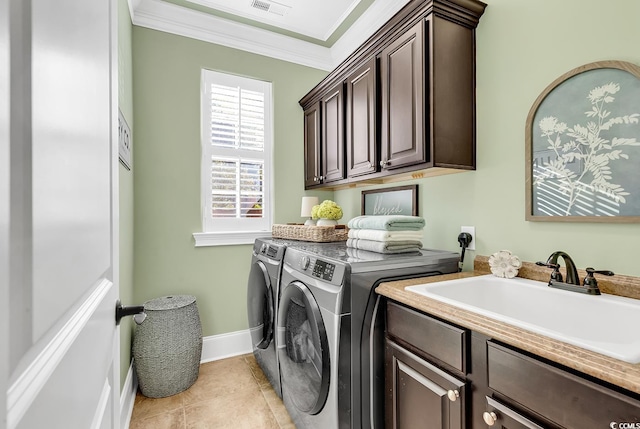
(204, 239)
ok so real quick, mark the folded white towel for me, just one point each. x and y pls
(388, 223)
(385, 247)
(386, 236)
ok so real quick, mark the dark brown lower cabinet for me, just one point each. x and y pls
(439, 375)
(419, 394)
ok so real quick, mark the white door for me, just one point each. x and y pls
(60, 185)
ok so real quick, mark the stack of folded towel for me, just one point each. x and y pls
(386, 234)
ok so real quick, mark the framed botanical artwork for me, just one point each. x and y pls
(582, 146)
(399, 200)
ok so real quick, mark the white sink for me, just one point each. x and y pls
(605, 324)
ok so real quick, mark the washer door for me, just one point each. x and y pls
(304, 356)
(260, 307)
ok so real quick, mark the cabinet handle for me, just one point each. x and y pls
(384, 163)
(453, 395)
(490, 418)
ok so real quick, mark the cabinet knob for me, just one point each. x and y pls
(453, 395)
(490, 418)
(384, 163)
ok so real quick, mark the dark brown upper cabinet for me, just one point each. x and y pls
(403, 100)
(332, 136)
(451, 93)
(361, 120)
(312, 126)
(409, 99)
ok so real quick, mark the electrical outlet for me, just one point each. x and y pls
(471, 230)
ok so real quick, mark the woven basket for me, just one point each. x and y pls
(167, 346)
(318, 234)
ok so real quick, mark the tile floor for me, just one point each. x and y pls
(229, 393)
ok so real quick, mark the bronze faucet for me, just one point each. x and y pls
(590, 285)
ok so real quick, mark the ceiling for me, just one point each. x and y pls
(316, 20)
(319, 34)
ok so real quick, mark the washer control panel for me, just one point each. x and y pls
(321, 269)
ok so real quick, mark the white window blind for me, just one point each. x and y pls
(236, 158)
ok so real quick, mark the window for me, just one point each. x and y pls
(236, 159)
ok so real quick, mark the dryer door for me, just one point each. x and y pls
(260, 306)
(304, 356)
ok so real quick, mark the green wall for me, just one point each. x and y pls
(522, 46)
(166, 72)
(125, 103)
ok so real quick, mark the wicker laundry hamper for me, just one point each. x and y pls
(167, 346)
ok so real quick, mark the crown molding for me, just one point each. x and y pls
(300, 29)
(371, 21)
(169, 18)
(131, 7)
(344, 16)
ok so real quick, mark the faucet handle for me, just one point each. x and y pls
(555, 274)
(590, 280)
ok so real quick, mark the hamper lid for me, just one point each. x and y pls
(169, 302)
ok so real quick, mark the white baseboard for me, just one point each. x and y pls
(226, 345)
(128, 397)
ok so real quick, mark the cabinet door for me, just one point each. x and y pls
(333, 135)
(361, 120)
(403, 100)
(420, 395)
(312, 146)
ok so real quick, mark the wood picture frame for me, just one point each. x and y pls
(399, 200)
(582, 139)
